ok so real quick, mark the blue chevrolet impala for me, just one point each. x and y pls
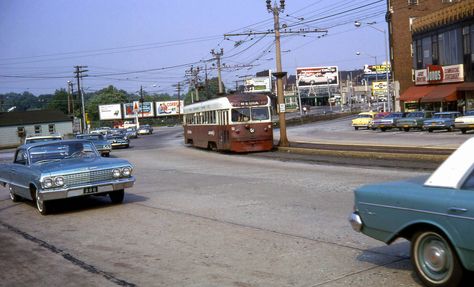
(436, 214)
(47, 171)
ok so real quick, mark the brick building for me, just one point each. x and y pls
(436, 35)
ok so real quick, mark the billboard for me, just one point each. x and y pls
(258, 85)
(317, 76)
(169, 108)
(376, 69)
(145, 110)
(110, 112)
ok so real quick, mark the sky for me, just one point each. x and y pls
(152, 43)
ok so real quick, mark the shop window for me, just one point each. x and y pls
(38, 129)
(450, 47)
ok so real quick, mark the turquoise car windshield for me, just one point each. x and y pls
(443, 116)
(60, 151)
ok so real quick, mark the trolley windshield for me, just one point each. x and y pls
(250, 114)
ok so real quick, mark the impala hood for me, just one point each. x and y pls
(80, 165)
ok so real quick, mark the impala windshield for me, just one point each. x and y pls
(60, 151)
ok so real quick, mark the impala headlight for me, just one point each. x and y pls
(126, 171)
(47, 182)
(59, 181)
(116, 173)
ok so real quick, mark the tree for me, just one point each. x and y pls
(59, 101)
(107, 96)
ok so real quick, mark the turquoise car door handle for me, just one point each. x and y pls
(457, 210)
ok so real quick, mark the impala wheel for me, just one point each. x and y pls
(117, 196)
(13, 196)
(435, 261)
(41, 205)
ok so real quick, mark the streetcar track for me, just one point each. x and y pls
(69, 257)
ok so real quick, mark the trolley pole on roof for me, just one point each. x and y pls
(279, 73)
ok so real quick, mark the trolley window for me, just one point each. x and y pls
(260, 114)
(241, 115)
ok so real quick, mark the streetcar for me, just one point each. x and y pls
(235, 122)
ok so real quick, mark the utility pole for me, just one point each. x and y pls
(70, 103)
(193, 73)
(141, 99)
(279, 73)
(178, 89)
(218, 56)
(79, 76)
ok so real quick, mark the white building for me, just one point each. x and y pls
(15, 126)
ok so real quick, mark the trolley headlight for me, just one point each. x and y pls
(116, 172)
(126, 171)
(47, 182)
(59, 181)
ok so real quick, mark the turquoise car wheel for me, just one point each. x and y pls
(435, 261)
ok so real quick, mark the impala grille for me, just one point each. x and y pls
(88, 177)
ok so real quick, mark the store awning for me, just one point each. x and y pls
(466, 86)
(415, 93)
(440, 93)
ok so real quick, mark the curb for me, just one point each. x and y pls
(365, 154)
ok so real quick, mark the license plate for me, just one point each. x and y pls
(405, 126)
(433, 124)
(91, 189)
(471, 126)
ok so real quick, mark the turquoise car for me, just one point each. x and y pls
(103, 146)
(53, 170)
(436, 214)
(441, 121)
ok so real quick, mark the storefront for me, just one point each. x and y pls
(443, 60)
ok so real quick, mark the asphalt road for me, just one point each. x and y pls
(200, 218)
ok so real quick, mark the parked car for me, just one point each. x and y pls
(363, 119)
(414, 120)
(466, 122)
(53, 170)
(379, 115)
(387, 122)
(42, 138)
(118, 141)
(441, 121)
(435, 213)
(100, 142)
(145, 130)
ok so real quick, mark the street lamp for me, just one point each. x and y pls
(357, 24)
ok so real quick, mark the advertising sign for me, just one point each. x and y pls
(435, 74)
(379, 88)
(145, 110)
(169, 108)
(258, 85)
(110, 112)
(376, 69)
(317, 76)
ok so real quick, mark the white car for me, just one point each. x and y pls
(42, 138)
(466, 122)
